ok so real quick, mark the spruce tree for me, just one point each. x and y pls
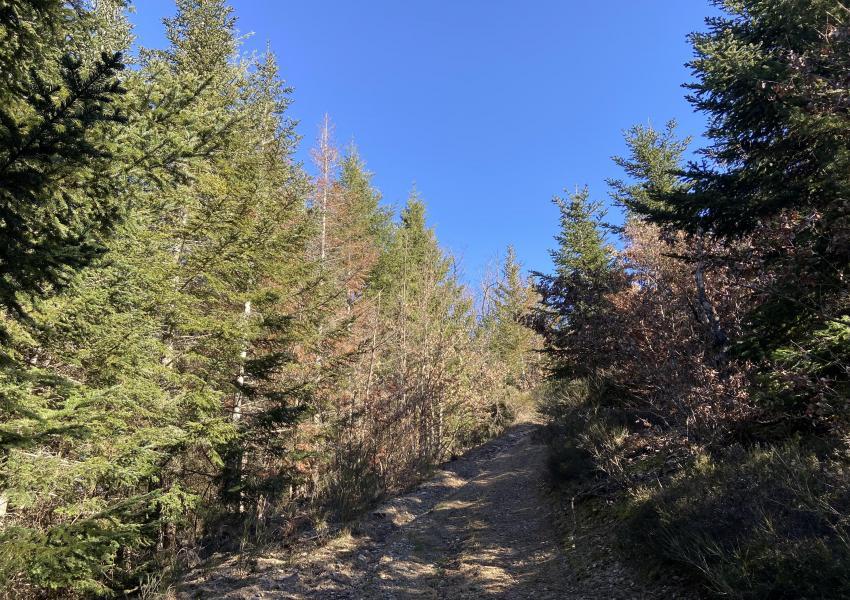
(581, 247)
(127, 383)
(167, 340)
(770, 76)
(58, 120)
(653, 167)
(505, 324)
(585, 271)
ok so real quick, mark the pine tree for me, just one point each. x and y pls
(505, 325)
(58, 121)
(770, 77)
(572, 298)
(581, 241)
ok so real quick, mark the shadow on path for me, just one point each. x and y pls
(480, 528)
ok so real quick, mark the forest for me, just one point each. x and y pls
(201, 344)
(207, 347)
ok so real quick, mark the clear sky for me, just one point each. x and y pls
(490, 106)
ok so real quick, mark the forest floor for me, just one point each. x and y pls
(485, 526)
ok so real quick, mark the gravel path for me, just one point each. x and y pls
(482, 527)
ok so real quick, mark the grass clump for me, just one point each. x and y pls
(765, 522)
(762, 520)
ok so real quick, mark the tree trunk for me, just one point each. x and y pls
(720, 340)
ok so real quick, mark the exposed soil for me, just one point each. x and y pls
(482, 527)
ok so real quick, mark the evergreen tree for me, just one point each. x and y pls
(178, 360)
(770, 76)
(581, 241)
(363, 224)
(58, 121)
(134, 375)
(654, 166)
(767, 76)
(505, 324)
(424, 311)
(572, 298)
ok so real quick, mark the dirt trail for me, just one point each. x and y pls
(482, 527)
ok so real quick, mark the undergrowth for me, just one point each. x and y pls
(764, 520)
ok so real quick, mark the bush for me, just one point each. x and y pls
(570, 463)
(587, 431)
(767, 522)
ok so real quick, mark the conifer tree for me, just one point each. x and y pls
(584, 272)
(505, 324)
(363, 224)
(654, 166)
(424, 311)
(58, 121)
(581, 241)
(770, 75)
(168, 338)
(155, 342)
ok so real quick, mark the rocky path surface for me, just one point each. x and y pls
(482, 527)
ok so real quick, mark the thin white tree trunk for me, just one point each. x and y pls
(239, 399)
(325, 157)
(240, 379)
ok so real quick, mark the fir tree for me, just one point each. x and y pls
(58, 122)
(572, 298)
(769, 76)
(653, 167)
(505, 324)
(581, 241)
(188, 362)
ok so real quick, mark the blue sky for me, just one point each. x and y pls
(490, 106)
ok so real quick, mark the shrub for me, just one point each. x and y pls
(769, 522)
